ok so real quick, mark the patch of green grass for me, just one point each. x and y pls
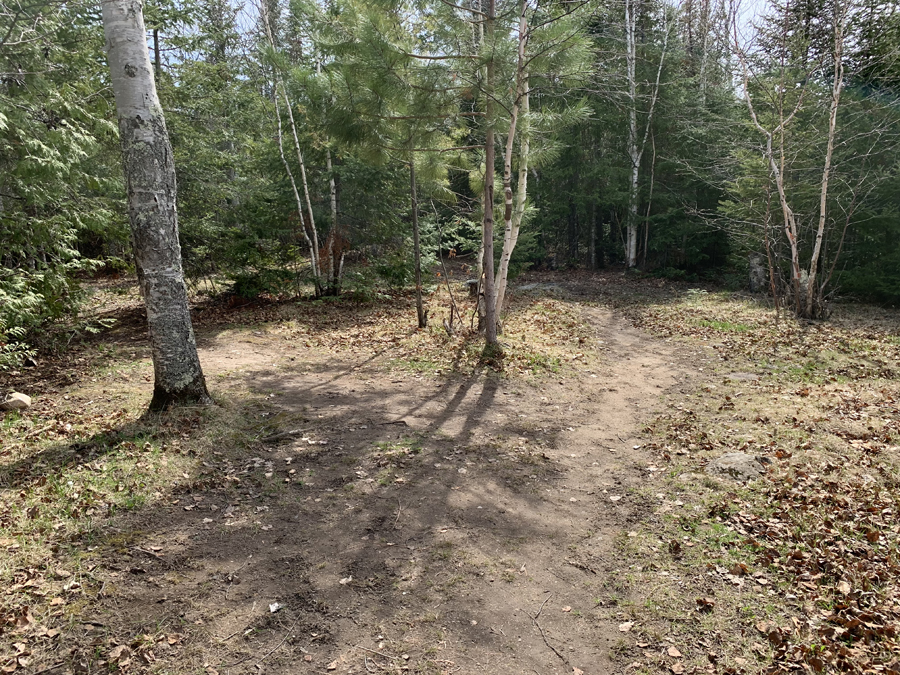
(725, 326)
(809, 372)
(541, 363)
(408, 445)
(9, 421)
(416, 365)
(443, 550)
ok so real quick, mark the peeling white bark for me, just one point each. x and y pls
(636, 147)
(150, 180)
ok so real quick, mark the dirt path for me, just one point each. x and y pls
(433, 526)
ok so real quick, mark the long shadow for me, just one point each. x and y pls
(34, 468)
(293, 543)
(177, 572)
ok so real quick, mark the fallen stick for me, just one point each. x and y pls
(534, 620)
(153, 555)
(372, 651)
(399, 511)
(284, 434)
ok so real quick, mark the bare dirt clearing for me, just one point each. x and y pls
(431, 519)
(425, 515)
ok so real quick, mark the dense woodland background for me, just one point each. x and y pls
(300, 125)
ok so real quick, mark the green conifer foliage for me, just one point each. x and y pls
(58, 171)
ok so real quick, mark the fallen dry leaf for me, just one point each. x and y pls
(116, 653)
(705, 604)
(627, 626)
(674, 653)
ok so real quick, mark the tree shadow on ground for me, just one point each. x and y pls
(343, 551)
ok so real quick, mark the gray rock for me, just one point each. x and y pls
(759, 273)
(742, 376)
(16, 401)
(737, 465)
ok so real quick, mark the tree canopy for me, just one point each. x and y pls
(679, 139)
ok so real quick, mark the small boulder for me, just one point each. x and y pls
(759, 273)
(16, 401)
(737, 465)
(749, 377)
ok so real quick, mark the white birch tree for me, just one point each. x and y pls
(807, 292)
(546, 44)
(637, 141)
(307, 220)
(150, 181)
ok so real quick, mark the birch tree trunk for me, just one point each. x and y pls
(487, 230)
(512, 217)
(814, 305)
(314, 254)
(776, 165)
(477, 6)
(636, 147)
(150, 183)
(310, 218)
(634, 153)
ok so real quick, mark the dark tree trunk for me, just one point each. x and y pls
(157, 63)
(417, 250)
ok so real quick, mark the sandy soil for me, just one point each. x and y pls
(416, 524)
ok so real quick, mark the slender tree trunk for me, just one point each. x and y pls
(635, 147)
(314, 251)
(593, 237)
(704, 47)
(150, 181)
(634, 153)
(790, 222)
(157, 61)
(290, 174)
(333, 271)
(775, 166)
(478, 6)
(518, 125)
(649, 202)
(773, 283)
(490, 297)
(311, 221)
(417, 251)
(814, 295)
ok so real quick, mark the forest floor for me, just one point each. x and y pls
(430, 514)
